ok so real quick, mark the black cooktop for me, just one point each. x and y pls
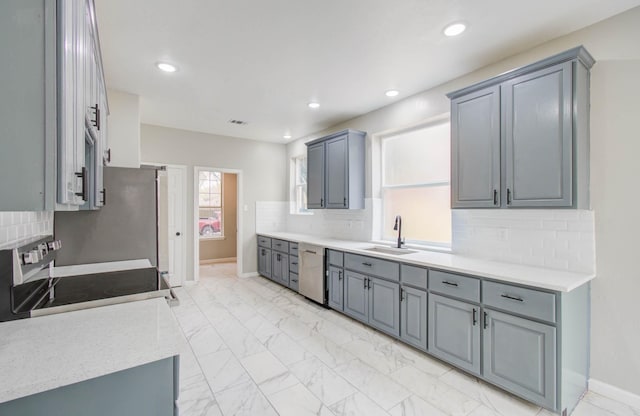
(75, 289)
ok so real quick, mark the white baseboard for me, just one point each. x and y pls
(614, 393)
(223, 260)
(250, 274)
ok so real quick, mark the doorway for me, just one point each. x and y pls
(172, 209)
(217, 220)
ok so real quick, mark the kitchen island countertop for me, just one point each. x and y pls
(539, 277)
(40, 354)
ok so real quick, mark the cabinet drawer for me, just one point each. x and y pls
(372, 266)
(280, 245)
(456, 285)
(264, 241)
(293, 263)
(527, 302)
(414, 276)
(293, 281)
(336, 258)
(293, 248)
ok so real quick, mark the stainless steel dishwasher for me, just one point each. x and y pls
(311, 276)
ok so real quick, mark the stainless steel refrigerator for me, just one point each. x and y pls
(126, 228)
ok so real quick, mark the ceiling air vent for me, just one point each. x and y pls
(238, 122)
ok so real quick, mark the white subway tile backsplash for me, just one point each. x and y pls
(18, 225)
(558, 239)
(554, 238)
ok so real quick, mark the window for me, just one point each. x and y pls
(210, 204)
(416, 184)
(299, 179)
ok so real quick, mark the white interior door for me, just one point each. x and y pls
(176, 224)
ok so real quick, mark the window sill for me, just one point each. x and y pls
(213, 238)
(413, 246)
(301, 213)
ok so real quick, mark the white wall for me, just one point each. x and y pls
(615, 144)
(263, 167)
(123, 129)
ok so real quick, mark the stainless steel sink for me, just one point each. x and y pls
(390, 250)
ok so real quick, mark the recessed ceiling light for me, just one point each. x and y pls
(392, 93)
(166, 67)
(454, 29)
(287, 136)
(313, 104)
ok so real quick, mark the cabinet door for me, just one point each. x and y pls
(71, 135)
(475, 149)
(413, 317)
(336, 288)
(315, 176)
(280, 268)
(264, 262)
(520, 355)
(384, 306)
(337, 172)
(356, 302)
(454, 332)
(538, 137)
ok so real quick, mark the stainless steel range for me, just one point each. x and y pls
(28, 289)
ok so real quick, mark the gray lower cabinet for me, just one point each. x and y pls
(520, 355)
(293, 281)
(264, 261)
(384, 305)
(147, 390)
(293, 267)
(280, 268)
(454, 332)
(413, 317)
(356, 300)
(336, 288)
(373, 301)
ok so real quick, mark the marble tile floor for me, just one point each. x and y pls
(255, 348)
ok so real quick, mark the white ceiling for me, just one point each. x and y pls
(262, 61)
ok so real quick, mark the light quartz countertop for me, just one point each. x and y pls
(91, 268)
(557, 280)
(40, 354)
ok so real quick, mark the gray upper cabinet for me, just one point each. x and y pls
(335, 171)
(537, 116)
(521, 139)
(50, 160)
(475, 149)
(315, 176)
(454, 332)
(337, 154)
(413, 316)
(520, 355)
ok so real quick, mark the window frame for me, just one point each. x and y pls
(221, 207)
(421, 244)
(298, 206)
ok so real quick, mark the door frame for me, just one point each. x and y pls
(183, 226)
(196, 215)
